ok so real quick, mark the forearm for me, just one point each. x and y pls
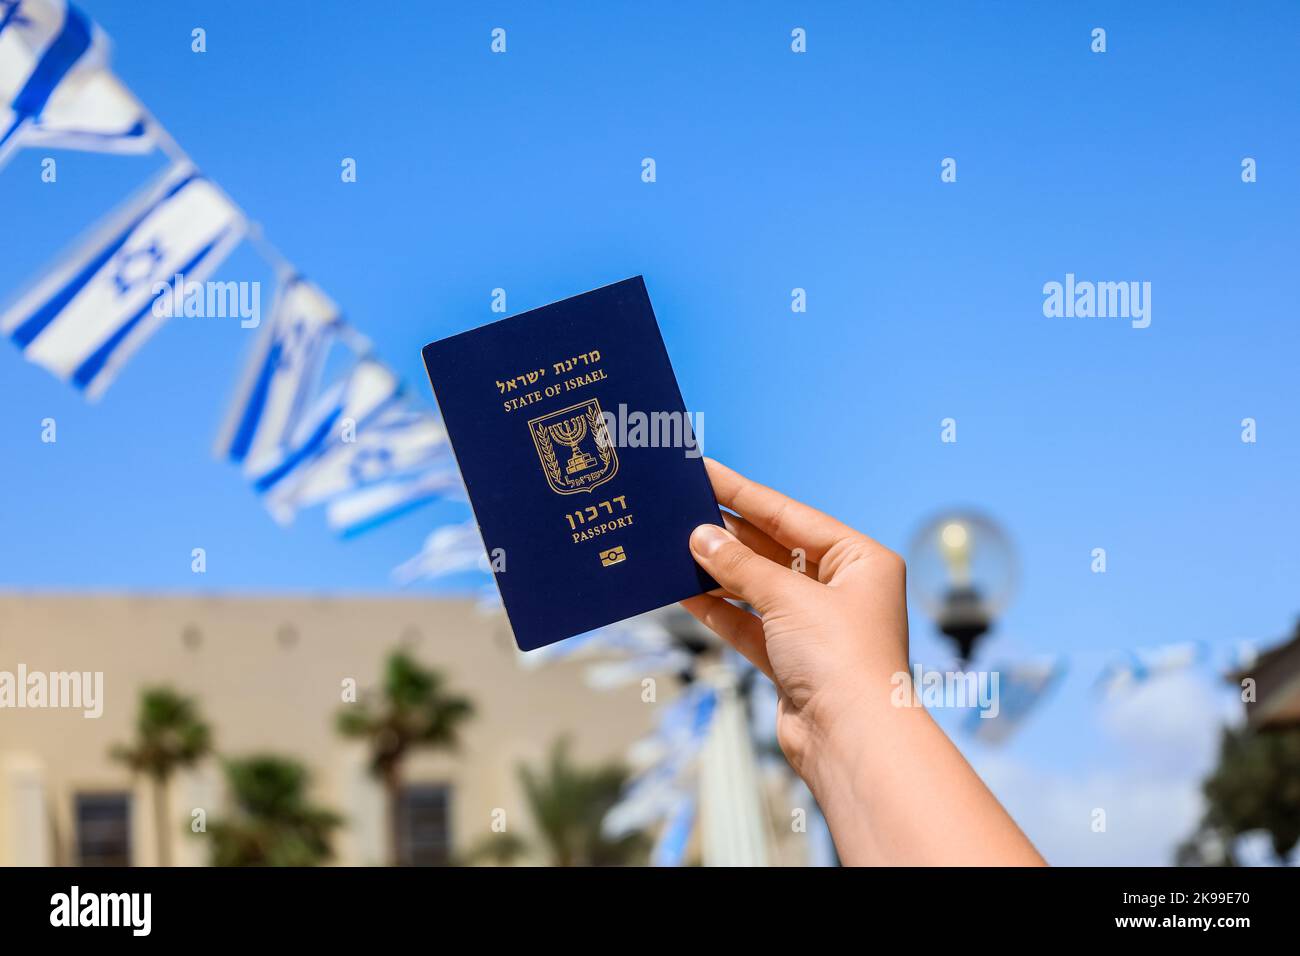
(895, 791)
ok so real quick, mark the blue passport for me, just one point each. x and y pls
(579, 458)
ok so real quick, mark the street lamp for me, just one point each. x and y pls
(962, 572)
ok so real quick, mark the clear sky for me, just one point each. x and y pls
(775, 171)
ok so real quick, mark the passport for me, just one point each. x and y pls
(579, 459)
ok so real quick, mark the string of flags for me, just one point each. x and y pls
(317, 419)
(353, 442)
(302, 433)
(1139, 666)
(664, 789)
(626, 652)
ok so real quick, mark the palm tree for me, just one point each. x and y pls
(568, 805)
(498, 849)
(273, 824)
(170, 734)
(415, 710)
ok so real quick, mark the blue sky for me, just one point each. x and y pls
(775, 171)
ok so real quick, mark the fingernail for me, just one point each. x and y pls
(707, 539)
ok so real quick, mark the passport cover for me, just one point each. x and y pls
(593, 527)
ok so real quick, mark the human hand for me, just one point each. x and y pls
(833, 639)
(830, 638)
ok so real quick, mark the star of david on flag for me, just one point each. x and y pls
(86, 317)
(390, 450)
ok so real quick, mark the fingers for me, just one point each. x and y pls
(760, 543)
(749, 576)
(737, 627)
(788, 522)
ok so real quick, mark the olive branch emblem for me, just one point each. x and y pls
(599, 432)
(569, 427)
(548, 453)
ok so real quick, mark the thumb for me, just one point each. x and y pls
(750, 576)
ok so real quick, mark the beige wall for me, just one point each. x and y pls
(267, 672)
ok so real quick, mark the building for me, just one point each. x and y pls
(1276, 676)
(268, 673)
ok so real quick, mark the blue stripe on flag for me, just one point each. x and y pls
(78, 139)
(247, 429)
(11, 14)
(316, 443)
(36, 323)
(383, 517)
(704, 714)
(309, 449)
(92, 366)
(256, 402)
(73, 40)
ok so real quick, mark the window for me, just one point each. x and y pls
(103, 829)
(424, 825)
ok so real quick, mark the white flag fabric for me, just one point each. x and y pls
(606, 675)
(1143, 664)
(357, 447)
(648, 799)
(1021, 688)
(336, 418)
(489, 600)
(393, 443)
(683, 725)
(55, 87)
(284, 374)
(363, 508)
(642, 637)
(450, 549)
(86, 317)
(655, 792)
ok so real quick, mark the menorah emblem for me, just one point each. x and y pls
(570, 433)
(592, 459)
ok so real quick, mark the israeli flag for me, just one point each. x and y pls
(85, 318)
(396, 442)
(363, 508)
(1139, 666)
(654, 793)
(283, 375)
(336, 417)
(1021, 688)
(647, 800)
(450, 549)
(642, 636)
(55, 88)
(607, 675)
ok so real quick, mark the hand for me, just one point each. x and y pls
(833, 638)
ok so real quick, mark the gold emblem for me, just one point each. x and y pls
(574, 448)
(612, 556)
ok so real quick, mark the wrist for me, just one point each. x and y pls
(852, 735)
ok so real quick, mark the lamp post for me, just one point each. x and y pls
(962, 572)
